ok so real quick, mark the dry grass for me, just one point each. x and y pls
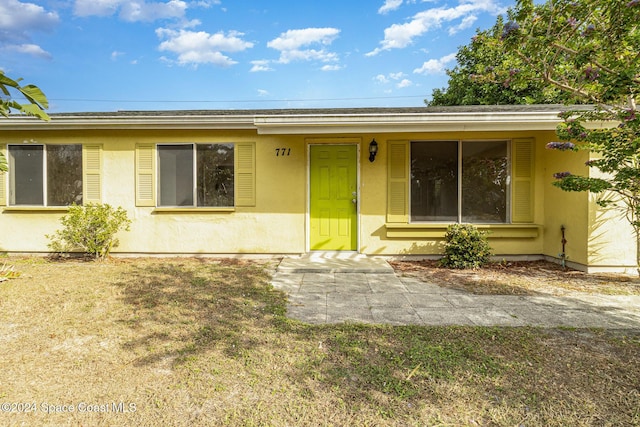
(520, 278)
(205, 342)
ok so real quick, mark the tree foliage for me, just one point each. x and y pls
(468, 83)
(587, 48)
(36, 103)
(590, 50)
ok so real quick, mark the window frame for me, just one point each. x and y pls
(10, 195)
(194, 189)
(459, 176)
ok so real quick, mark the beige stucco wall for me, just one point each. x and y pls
(596, 237)
(278, 222)
(570, 209)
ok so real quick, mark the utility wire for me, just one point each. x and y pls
(232, 100)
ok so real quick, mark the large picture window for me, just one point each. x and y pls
(45, 175)
(196, 175)
(460, 181)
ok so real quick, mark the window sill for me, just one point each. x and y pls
(192, 210)
(35, 209)
(437, 231)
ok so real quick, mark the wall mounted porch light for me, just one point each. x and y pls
(373, 150)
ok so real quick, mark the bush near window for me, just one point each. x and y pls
(465, 247)
(90, 229)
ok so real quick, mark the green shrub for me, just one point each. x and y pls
(465, 247)
(90, 229)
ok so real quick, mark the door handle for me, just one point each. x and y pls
(354, 201)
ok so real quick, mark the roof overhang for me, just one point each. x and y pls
(122, 122)
(278, 122)
(412, 122)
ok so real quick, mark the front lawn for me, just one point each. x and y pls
(153, 342)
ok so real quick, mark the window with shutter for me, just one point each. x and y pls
(195, 175)
(46, 175)
(461, 181)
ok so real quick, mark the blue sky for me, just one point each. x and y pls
(108, 55)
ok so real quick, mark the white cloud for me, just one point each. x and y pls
(322, 55)
(262, 92)
(30, 49)
(291, 44)
(389, 5)
(18, 20)
(393, 77)
(141, 11)
(132, 11)
(260, 65)
(206, 4)
(435, 66)
(96, 7)
(397, 79)
(467, 22)
(381, 78)
(331, 68)
(115, 55)
(399, 36)
(201, 47)
(295, 39)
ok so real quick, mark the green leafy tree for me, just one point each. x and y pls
(590, 50)
(468, 84)
(36, 103)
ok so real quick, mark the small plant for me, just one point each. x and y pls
(90, 229)
(8, 272)
(465, 247)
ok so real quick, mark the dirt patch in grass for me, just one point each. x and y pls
(520, 278)
(189, 342)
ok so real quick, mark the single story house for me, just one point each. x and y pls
(375, 181)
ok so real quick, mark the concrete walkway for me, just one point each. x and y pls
(334, 288)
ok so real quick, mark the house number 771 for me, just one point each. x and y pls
(283, 152)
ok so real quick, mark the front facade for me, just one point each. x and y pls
(296, 181)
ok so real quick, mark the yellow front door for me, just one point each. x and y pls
(333, 198)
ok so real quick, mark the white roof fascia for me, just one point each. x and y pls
(431, 122)
(129, 122)
(325, 123)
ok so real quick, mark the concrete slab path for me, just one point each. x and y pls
(334, 288)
